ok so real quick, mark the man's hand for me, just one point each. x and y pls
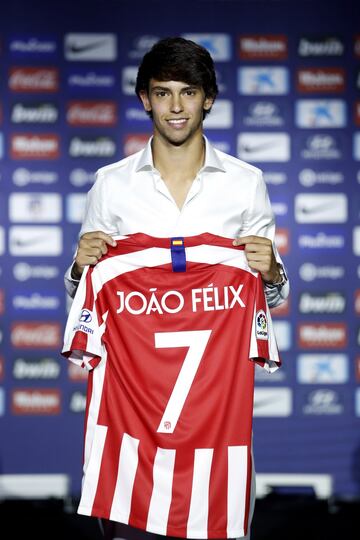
(92, 246)
(260, 255)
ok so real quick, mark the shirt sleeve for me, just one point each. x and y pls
(261, 222)
(263, 346)
(83, 333)
(97, 218)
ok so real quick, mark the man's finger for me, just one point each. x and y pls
(99, 235)
(252, 239)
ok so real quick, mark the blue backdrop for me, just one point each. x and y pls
(289, 78)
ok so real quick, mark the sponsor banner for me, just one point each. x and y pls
(321, 208)
(321, 146)
(35, 207)
(220, 144)
(263, 80)
(310, 272)
(357, 301)
(323, 368)
(280, 208)
(35, 301)
(36, 335)
(136, 114)
(77, 402)
(92, 147)
(34, 113)
(81, 177)
(28, 79)
(1, 113)
(329, 302)
(135, 142)
(128, 80)
(282, 241)
(357, 402)
(310, 177)
(84, 81)
(327, 335)
(357, 80)
(263, 47)
(2, 368)
(36, 401)
(263, 114)
(275, 178)
(76, 373)
(28, 46)
(1, 146)
(273, 401)
(277, 377)
(34, 146)
(282, 330)
(317, 46)
(2, 402)
(321, 240)
(141, 45)
(218, 45)
(36, 369)
(221, 115)
(23, 271)
(357, 368)
(85, 47)
(356, 241)
(357, 113)
(29, 241)
(326, 80)
(91, 113)
(320, 113)
(324, 401)
(356, 146)
(2, 302)
(75, 207)
(259, 147)
(22, 177)
(2, 240)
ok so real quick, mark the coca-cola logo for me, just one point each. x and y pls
(282, 310)
(282, 241)
(329, 335)
(92, 113)
(135, 143)
(1, 368)
(36, 401)
(357, 302)
(36, 335)
(34, 79)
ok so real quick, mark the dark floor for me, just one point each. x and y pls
(277, 517)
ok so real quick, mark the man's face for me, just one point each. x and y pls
(177, 109)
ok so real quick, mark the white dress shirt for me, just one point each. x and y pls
(228, 198)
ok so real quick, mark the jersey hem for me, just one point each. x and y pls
(171, 531)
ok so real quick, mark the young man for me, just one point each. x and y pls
(179, 185)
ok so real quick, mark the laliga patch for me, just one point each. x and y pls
(261, 325)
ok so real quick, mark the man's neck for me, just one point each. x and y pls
(179, 161)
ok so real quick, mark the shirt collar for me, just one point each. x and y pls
(212, 160)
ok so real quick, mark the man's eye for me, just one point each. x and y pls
(190, 92)
(160, 94)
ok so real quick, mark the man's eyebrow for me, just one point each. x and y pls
(187, 87)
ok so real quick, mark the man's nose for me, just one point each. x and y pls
(176, 103)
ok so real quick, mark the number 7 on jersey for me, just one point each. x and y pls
(196, 340)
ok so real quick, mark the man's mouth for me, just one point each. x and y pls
(177, 122)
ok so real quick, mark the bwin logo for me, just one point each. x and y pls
(85, 316)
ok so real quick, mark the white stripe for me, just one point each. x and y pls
(199, 505)
(92, 471)
(128, 462)
(162, 489)
(237, 480)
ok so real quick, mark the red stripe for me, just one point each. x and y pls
(143, 485)
(181, 494)
(217, 522)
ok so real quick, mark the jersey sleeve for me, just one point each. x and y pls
(83, 333)
(263, 346)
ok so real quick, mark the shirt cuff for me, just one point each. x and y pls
(71, 284)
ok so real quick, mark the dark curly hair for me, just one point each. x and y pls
(178, 59)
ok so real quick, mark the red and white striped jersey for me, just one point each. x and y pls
(168, 328)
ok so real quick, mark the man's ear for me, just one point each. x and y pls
(208, 103)
(145, 100)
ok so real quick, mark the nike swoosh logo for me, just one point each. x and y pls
(263, 402)
(21, 242)
(255, 148)
(315, 208)
(77, 49)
